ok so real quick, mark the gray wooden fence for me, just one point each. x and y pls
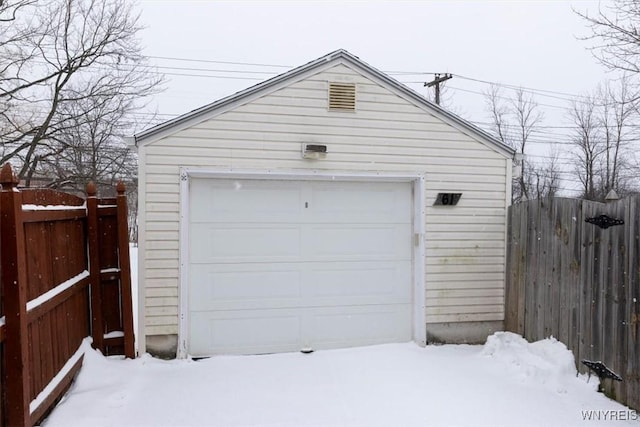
(579, 283)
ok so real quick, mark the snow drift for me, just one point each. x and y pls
(547, 361)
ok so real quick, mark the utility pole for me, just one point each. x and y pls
(438, 78)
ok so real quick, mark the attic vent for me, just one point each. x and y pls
(342, 96)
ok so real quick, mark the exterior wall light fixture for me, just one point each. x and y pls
(314, 151)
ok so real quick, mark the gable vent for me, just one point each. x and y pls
(342, 96)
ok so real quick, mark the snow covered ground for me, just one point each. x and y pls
(506, 382)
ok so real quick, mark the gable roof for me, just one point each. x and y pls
(340, 56)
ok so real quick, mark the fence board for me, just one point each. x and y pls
(107, 224)
(531, 271)
(47, 196)
(511, 294)
(563, 256)
(14, 284)
(47, 403)
(93, 237)
(39, 265)
(597, 295)
(580, 283)
(548, 267)
(586, 282)
(616, 300)
(48, 215)
(541, 285)
(3, 420)
(554, 264)
(633, 312)
(522, 256)
(575, 266)
(2, 373)
(58, 299)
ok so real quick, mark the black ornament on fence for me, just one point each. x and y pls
(601, 370)
(604, 221)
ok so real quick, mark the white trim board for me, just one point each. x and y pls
(419, 216)
(140, 339)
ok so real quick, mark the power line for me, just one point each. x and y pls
(208, 61)
(254, 64)
(542, 135)
(543, 92)
(271, 73)
(479, 123)
(210, 70)
(502, 97)
(565, 96)
(525, 88)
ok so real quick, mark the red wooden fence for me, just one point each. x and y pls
(64, 273)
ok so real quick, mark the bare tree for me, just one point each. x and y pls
(615, 32)
(91, 147)
(588, 146)
(62, 60)
(618, 119)
(513, 122)
(606, 128)
(544, 180)
(13, 127)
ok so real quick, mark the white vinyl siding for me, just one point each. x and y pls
(465, 244)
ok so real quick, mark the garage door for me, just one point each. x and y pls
(279, 266)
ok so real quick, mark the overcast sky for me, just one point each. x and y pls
(534, 44)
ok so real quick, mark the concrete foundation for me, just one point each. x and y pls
(462, 332)
(162, 346)
(166, 346)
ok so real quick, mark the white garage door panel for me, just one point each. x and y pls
(214, 285)
(359, 242)
(255, 201)
(258, 286)
(337, 327)
(280, 243)
(245, 201)
(247, 243)
(269, 331)
(281, 265)
(258, 331)
(386, 203)
(372, 283)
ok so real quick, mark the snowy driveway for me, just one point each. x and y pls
(507, 382)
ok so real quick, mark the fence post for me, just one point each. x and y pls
(13, 271)
(97, 323)
(125, 272)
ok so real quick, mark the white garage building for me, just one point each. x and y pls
(316, 210)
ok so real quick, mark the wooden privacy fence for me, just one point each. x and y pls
(578, 282)
(64, 276)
